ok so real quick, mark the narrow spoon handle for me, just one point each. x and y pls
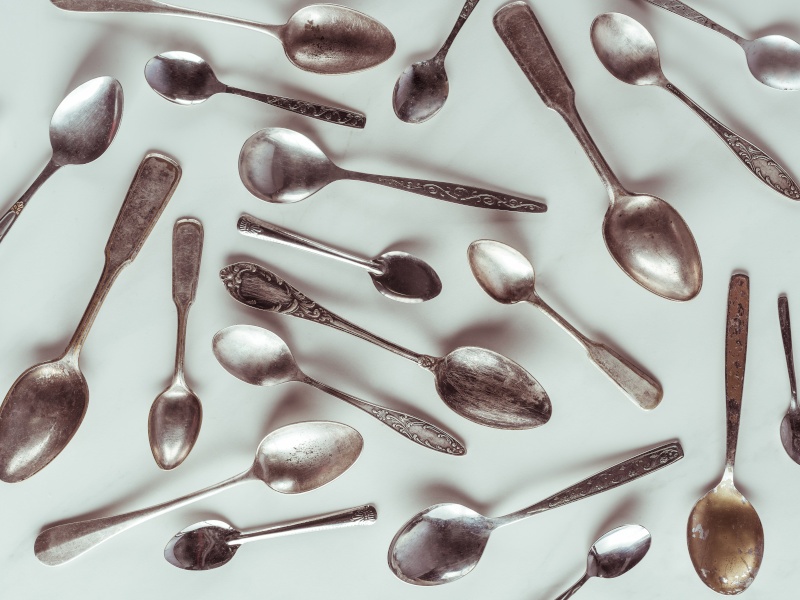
(466, 11)
(331, 114)
(574, 588)
(8, 219)
(735, 356)
(786, 335)
(679, 8)
(187, 251)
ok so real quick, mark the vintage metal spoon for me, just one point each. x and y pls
(321, 38)
(790, 426)
(281, 165)
(293, 459)
(211, 544)
(185, 78)
(176, 414)
(422, 89)
(646, 236)
(630, 54)
(480, 385)
(724, 533)
(508, 277)
(773, 59)
(446, 541)
(397, 275)
(82, 128)
(46, 404)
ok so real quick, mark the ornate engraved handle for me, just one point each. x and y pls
(337, 116)
(363, 515)
(679, 8)
(735, 355)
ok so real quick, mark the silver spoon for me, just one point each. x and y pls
(773, 59)
(790, 426)
(630, 54)
(46, 404)
(281, 165)
(185, 78)
(508, 277)
(446, 541)
(82, 128)
(259, 357)
(422, 89)
(176, 414)
(212, 544)
(293, 459)
(321, 38)
(647, 238)
(480, 385)
(397, 275)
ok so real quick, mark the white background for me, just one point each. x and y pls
(494, 132)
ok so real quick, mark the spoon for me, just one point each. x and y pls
(508, 277)
(790, 426)
(647, 238)
(724, 533)
(397, 275)
(321, 38)
(446, 541)
(630, 54)
(480, 385)
(211, 544)
(82, 127)
(422, 89)
(773, 59)
(176, 414)
(281, 165)
(293, 459)
(185, 78)
(46, 404)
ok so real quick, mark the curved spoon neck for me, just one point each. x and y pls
(575, 587)
(101, 291)
(727, 475)
(51, 167)
(466, 11)
(177, 11)
(180, 347)
(536, 300)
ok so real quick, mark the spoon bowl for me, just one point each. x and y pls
(502, 271)
(406, 278)
(175, 419)
(774, 60)
(626, 49)
(202, 546)
(421, 91)
(182, 78)
(790, 435)
(618, 551)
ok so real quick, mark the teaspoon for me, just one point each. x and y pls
(790, 426)
(647, 238)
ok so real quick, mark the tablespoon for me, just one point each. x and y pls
(293, 459)
(397, 275)
(281, 165)
(480, 385)
(82, 128)
(321, 38)
(630, 54)
(422, 89)
(46, 404)
(647, 238)
(508, 277)
(185, 78)
(790, 426)
(773, 59)
(445, 542)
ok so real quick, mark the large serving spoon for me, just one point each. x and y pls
(293, 459)
(508, 277)
(773, 59)
(724, 533)
(321, 38)
(422, 89)
(630, 54)
(185, 78)
(397, 275)
(281, 165)
(480, 385)
(790, 425)
(446, 541)
(46, 404)
(646, 236)
(82, 128)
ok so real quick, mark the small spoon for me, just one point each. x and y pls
(422, 89)
(790, 426)
(321, 38)
(446, 541)
(397, 275)
(773, 59)
(185, 78)
(281, 165)
(211, 544)
(480, 385)
(647, 238)
(176, 414)
(630, 54)
(82, 128)
(508, 277)
(293, 459)
(45, 406)
(724, 533)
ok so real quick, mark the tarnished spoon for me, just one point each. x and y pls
(790, 426)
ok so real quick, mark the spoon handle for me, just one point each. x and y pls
(331, 114)
(735, 356)
(8, 219)
(786, 335)
(466, 11)
(574, 588)
(679, 8)
(187, 251)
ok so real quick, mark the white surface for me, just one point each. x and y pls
(494, 132)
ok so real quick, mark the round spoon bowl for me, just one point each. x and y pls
(421, 91)
(775, 61)
(790, 435)
(175, 419)
(503, 272)
(618, 551)
(182, 77)
(255, 355)
(626, 49)
(406, 278)
(202, 546)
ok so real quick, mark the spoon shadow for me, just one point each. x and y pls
(783, 28)
(435, 493)
(627, 511)
(511, 231)
(412, 245)
(50, 351)
(490, 335)
(295, 405)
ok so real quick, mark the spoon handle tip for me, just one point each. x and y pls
(640, 387)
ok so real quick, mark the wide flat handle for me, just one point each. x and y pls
(637, 385)
(322, 112)
(187, 252)
(360, 516)
(736, 328)
(143, 6)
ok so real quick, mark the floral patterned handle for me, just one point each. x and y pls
(679, 8)
(330, 114)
